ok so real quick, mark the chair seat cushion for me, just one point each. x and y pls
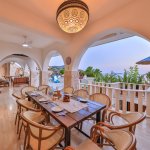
(25, 103)
(34, 116)
(122, 143)
(88, 145)
(48, 143)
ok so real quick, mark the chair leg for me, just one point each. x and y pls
(81, 125)
(20, 130)
(18, 124)
(16, 118)
(25, 140)
(101, 141)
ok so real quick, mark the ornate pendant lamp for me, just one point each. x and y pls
(72, 16)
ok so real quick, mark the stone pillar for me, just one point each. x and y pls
(3, 70)
(44, 78)
(8, 69)
(71, 79)
(34, 78)
(148, 104)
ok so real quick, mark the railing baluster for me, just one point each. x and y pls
(134, 86)
(140, 104)
(140, 87)
(93, 89)
(97, 89)
(117, 97)
(132, 97)
(148, 104)
(89, 89)
(110, 95)
(123, 85)
(103, 90)
(124, 101)
(128, 86)
(106, 90)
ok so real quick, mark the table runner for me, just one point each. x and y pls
(72, 106)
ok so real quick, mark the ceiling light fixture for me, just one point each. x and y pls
(72, 16)
(26, 43)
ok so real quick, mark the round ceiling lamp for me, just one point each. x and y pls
(72, 16)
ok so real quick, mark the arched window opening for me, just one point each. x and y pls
(56, 72)
(116, 61)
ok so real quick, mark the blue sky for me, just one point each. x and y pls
(56, 61)
(115, 56)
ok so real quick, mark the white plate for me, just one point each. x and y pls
(57, 109)
(43, 100)
(34, 94)
(83, 100)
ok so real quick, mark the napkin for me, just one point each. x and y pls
(42, 100)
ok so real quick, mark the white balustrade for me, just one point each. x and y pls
(123, 99)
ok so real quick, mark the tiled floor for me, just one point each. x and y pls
(8, 136)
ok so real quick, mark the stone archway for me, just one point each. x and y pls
(25, 60)
(82, 46)
(89, 42)
(45, 72)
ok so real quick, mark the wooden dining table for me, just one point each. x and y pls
(70, 120)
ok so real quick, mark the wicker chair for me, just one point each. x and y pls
(103, 99)
(43, 88)
(24, 105)
(38, 117)
(26, 89)
(126, 121)
(40, 137)
(68, 90)
(118, 139)
(17, 95)
(81, 93)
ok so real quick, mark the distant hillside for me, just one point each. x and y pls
(57, 67)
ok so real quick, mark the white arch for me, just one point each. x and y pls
(21, 60)
(8, 60)
(82, 48)
(48, 57)
(10, 49)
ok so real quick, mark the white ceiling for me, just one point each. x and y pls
(14, 34)
(46, 10)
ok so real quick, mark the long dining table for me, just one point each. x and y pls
(70, 119)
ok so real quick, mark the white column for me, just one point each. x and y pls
(71, 79)
(34, 78)
(44, 78)
(148, 104)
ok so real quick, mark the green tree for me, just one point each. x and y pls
(125, 76)
(89, 72)
(133, 74)
(148, 76)
(141, 79)
(106, 78)
(81, 74)
(98, 75)
(62, 71)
